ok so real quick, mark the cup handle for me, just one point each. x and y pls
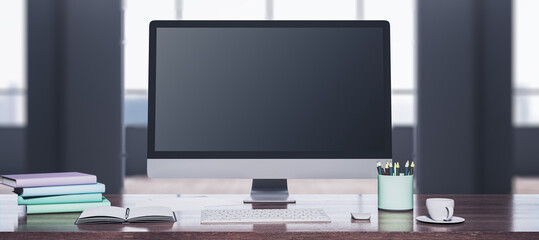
(449, 213)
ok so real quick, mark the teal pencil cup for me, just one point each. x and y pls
(395, 193)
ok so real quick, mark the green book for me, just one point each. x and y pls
(71, 198)
(64, 207)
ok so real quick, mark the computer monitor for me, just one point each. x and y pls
(268, 100)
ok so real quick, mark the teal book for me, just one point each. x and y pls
(72, 198)
(64, 207)
(60, 190)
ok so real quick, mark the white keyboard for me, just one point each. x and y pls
(297, 215)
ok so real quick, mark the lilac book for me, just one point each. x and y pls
(47, 179)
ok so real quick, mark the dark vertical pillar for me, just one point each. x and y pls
(464, 132)
(495, 77)
(43, 94)
(75, 88)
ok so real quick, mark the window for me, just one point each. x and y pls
(401, 16)
(13, 63)
(314, 10)
(525, 62)
(223, 10)
(137, 17)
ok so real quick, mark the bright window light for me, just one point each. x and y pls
(13, 63)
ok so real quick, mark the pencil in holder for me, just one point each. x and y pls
(395, 192)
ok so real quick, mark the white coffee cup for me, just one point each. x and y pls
(440, 209)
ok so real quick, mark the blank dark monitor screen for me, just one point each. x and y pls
(271, 92)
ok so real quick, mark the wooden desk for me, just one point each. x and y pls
(487, 216)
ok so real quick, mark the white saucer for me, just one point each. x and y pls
(427, 219)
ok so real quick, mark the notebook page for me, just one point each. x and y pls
(149, 211)
(104, 211)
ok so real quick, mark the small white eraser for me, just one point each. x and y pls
(361, 216)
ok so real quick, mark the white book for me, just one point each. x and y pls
(122, 215)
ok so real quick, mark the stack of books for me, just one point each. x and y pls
(57, 192)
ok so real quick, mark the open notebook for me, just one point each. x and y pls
(122, 215)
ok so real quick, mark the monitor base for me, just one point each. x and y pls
(269, 191)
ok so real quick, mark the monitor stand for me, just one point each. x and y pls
(269, 191)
